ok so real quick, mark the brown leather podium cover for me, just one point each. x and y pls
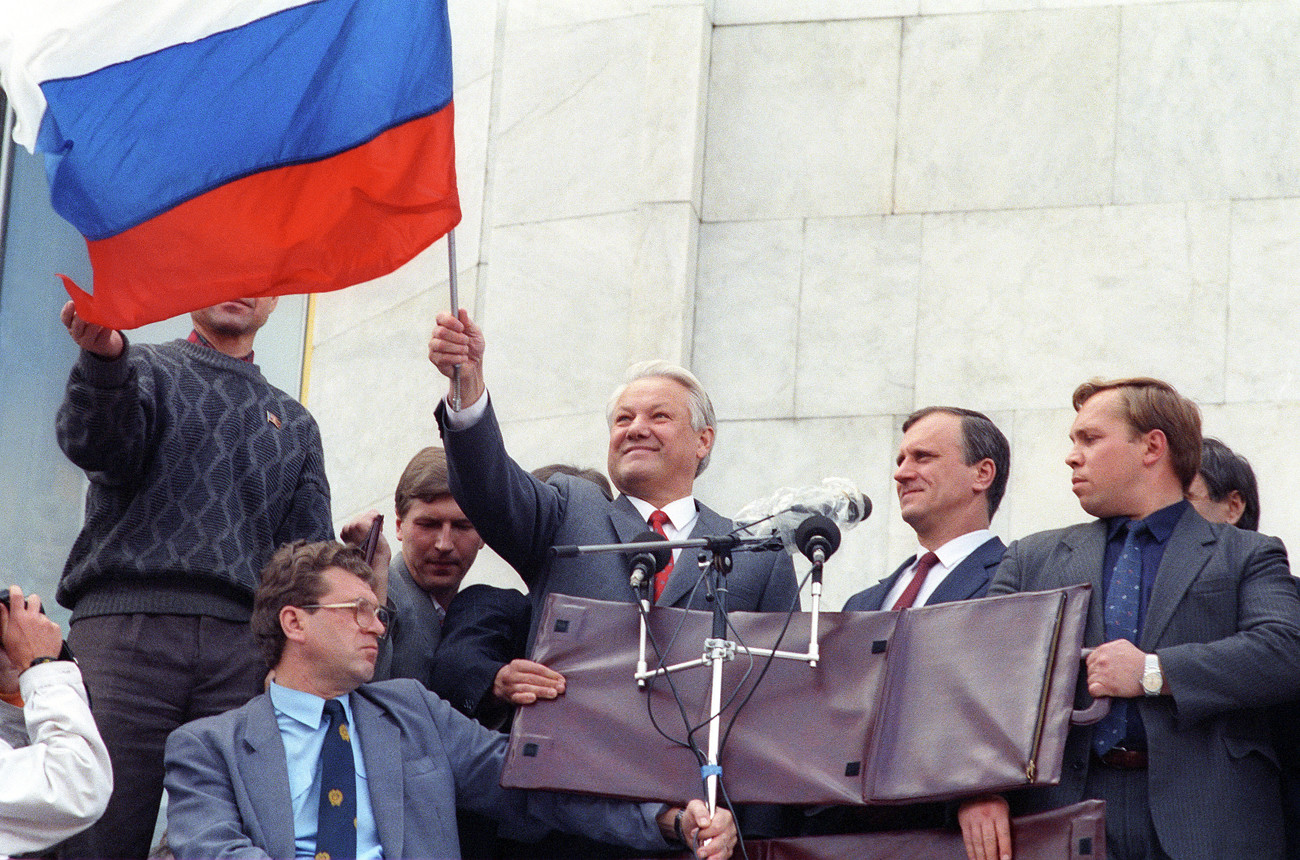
(925, 704)
(1076, 832)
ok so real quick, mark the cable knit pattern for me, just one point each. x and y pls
(198, 469)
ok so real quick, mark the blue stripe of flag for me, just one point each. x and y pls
(132, 140)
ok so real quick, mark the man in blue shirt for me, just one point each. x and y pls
(250, 781)
(1194, 627)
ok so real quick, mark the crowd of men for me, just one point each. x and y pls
(298, 699)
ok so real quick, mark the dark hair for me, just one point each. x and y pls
(543, 474)
(1224, 470)
(424, 478)
(1152, 404)
(980, 440)
(293, 578)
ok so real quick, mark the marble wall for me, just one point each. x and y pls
(836, 211)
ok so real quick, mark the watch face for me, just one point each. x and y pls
(1151, 682)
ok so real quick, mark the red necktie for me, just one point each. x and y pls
(908, 597)
(657, 520)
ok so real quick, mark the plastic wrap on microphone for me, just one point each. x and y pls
(783, 511)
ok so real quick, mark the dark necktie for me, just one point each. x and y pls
(908, 597)
(1121, 620)
(336, 820)
(657, 521)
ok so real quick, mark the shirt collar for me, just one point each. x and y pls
(679, 512)
(954, 552)
(306, 708)
(1161, 523)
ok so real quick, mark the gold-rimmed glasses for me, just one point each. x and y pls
(366, 612)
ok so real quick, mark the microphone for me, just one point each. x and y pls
(782, 513)
(817, 538)
(645, 563)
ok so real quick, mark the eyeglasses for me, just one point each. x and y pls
(366, 612)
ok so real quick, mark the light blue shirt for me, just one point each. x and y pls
(302, 721)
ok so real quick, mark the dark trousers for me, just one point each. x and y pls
(146, 675)
(1130, 833)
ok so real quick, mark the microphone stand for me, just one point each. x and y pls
(715, 561)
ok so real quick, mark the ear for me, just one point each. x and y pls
(1236, 506)
(399, 528)
(291, 618)
(985, 472)
(1156, 446)
(705, 444)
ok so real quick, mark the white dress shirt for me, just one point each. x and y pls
(951, 554)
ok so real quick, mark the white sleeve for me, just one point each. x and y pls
(467, 417)
(59, 783)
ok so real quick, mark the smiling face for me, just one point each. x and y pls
(940, 496)
(438, 545)
(1108, 458)
(335, 652)
(653, 450)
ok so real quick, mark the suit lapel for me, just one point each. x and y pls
(625, 520)
(880, 591)
(1084, 554)
(266, 773)
(381, 750)
(1190, 547)
(686, 572)
(971, 575)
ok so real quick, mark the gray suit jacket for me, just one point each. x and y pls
(968, 580)
(1224, 618)
(228, 782)
(521, 518)
(414, 632)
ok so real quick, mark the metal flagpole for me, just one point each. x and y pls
(455, 311)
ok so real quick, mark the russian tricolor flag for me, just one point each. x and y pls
(219, 149)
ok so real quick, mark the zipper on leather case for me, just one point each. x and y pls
(1031, 766)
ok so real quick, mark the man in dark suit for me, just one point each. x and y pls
(481, 666)
(1194, 629)
(439, 544)
(661, 434)
(1225, 491)
(952, 471)
(327, 764)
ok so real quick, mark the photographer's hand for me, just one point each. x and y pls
(26, 632)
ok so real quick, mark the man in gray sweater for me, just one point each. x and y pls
(198, 470)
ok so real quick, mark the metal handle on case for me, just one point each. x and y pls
(1099, 708)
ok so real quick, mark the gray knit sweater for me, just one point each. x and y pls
(198, 469)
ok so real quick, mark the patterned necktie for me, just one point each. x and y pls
(657, 521)
(908, 597)
(1121, 619)
(336, 819)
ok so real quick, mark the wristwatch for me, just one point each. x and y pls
(1152, 679)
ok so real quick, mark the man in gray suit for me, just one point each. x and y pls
(1194, 628)
(439, 544)
(661, 432)
(391, 759)
(952, 471)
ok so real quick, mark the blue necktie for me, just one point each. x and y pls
(1123, 598)
(336, 820)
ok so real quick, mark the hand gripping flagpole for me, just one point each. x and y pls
(455, 311)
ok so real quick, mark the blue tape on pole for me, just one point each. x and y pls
(709, 770)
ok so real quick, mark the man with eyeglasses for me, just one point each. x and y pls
(327, 765)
